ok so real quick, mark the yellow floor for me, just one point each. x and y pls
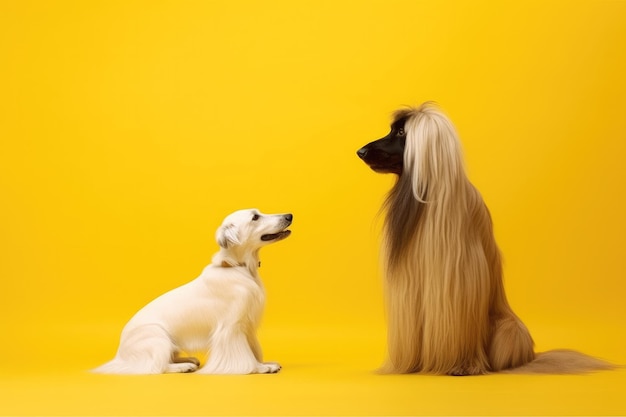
(325, 372)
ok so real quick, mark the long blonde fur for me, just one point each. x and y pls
(446, 305)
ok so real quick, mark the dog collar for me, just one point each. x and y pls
(227, 265)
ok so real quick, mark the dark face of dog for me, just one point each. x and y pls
(386, 155)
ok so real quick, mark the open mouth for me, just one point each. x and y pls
(276, 236)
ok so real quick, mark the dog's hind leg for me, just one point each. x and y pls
(145, 349)
(182, 364)
(181, 367)
(511, 344)
(190, 359)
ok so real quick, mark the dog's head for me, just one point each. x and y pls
(423, 148)
(252, 229)
(386, 154)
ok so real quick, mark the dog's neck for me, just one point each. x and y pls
(232, 258)
(227, 264)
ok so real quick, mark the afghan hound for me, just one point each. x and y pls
(216, 314)
(446, 306)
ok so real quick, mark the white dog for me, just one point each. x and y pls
(215, 315)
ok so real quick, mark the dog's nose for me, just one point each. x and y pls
(362, 152)
(289, 217)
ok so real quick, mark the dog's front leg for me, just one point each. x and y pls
(231, 353)
(255, 346)
(268, 368)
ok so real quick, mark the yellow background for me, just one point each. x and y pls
(130, 129)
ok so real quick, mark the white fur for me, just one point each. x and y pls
(216, 315)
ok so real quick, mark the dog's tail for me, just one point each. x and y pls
(136, 367)
(562, 361)
(143, 350)
(116, 366)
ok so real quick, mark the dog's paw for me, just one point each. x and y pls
(268, 368)
(193, 361)
(184, 367)
(467, 371)
(191, 367)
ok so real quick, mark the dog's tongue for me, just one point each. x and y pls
(274, 236)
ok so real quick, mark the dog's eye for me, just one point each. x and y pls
(255, 217)
(401, 132)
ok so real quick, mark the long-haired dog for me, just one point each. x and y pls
(215, 315)
(446, 306)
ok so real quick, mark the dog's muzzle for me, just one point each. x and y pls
(287, 219)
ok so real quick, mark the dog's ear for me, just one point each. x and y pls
(227, 236)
